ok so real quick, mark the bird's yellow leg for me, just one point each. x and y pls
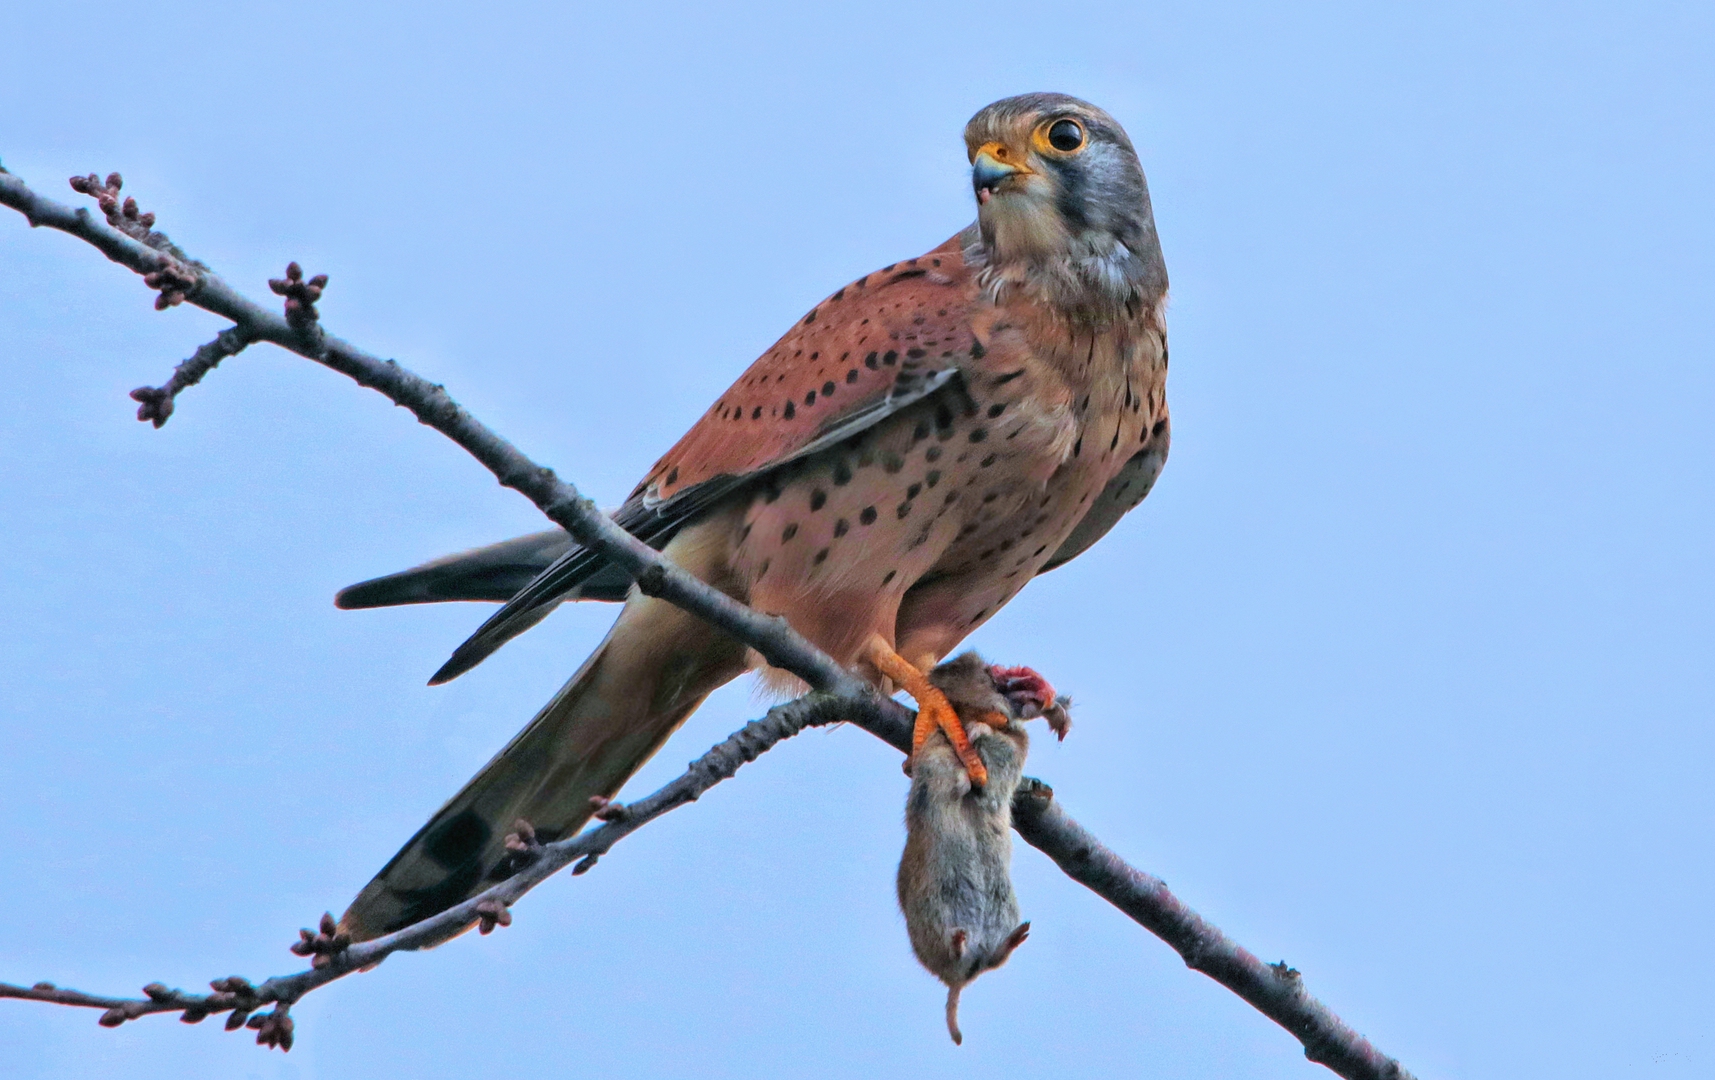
(933, 708)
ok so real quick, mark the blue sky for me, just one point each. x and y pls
(1402, 674)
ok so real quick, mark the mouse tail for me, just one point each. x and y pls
(953, 1016)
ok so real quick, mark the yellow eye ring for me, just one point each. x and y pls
(1062, 135)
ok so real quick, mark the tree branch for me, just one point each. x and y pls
(129, 239)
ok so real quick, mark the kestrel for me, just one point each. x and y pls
(912, 452)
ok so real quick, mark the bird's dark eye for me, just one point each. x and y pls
(1066, 135)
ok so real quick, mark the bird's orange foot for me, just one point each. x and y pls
(933, 709)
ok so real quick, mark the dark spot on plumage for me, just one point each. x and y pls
(841, 527)
(815, 356)
(986, 462)
(672, 476)
(851, 376)
(1115, 442)
(932, 454)
(1039, 551)
(867, 517)
(889, 576)
(889, 357)
(891, 462)
(744, 533)
(791, 410)
(871, 362)
(821, 556)
(1157, 427)
(756, 413)
(996, 409)
(1084, 405)
(842, 472)
(1006, 545)
(968, 529)
(828, 389)
(920, 432)
(986, 553)
(818, 499)
(762, 570)
(903, 274)
(912, 491)
(810, 318)
(810, 398)
(1078, 447)
(933, 478)
(789, 532)
(458, 840)
(991, 496)
(915, 354)
(902, 509)
(978, 435)
(952, 497)
(838, 295)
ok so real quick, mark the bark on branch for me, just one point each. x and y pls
(129, 239)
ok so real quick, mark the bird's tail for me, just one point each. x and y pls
(656, 666)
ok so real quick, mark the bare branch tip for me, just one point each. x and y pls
(273, 1029)
(492, 913)
(301, 295)
(322, 945)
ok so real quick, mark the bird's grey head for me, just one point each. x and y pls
(1062, 204)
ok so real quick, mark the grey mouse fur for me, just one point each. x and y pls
(955, 888)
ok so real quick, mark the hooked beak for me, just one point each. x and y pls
(990, 167)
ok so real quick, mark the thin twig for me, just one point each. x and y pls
(1275, 990)
(542, 861)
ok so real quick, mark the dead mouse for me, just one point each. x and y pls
(955, 886)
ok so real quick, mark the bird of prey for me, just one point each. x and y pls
(913, 451)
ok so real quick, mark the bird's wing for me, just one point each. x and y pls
(1123, 493)
(882, 343)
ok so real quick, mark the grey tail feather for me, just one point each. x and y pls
(655, 667)
(494, 573)
(953, 1016)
